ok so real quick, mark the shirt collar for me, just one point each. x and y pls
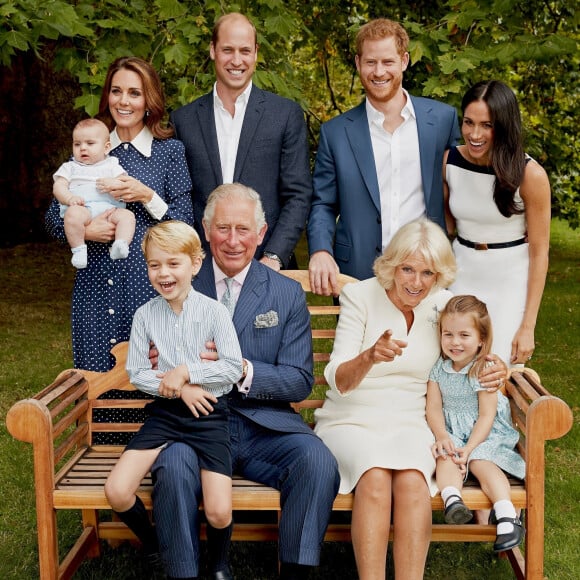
(241, 100)
(376, 116)
(240, 277)
(448, 367)
(143, 142)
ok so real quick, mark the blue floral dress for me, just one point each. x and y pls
(461, 411)
(107, 292)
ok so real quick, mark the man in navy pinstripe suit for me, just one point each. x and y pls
(270, 442)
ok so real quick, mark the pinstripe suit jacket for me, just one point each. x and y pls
(281, 354)
(272, 158)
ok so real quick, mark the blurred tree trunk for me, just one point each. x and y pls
(36, 124)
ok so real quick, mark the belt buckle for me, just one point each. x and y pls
(479, 246)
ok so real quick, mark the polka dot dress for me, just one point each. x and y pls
(107, 292)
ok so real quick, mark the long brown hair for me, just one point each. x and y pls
(508, 159)
(152, 91)
(468, 304)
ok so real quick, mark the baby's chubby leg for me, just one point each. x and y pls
(124, 221)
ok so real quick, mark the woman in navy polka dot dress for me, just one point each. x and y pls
(107, 293)
(157, 188)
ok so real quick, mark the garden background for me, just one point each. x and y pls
(53, 58)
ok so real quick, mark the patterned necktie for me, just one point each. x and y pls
(228, 298)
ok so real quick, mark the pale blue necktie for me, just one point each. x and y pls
(228, 298)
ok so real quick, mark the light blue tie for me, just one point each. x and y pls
(228, 298)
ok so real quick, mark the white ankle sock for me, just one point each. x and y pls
(79, 257)
(504, 508)
(447, 493)
(119, 250)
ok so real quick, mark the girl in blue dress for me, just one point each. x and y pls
(472, 426)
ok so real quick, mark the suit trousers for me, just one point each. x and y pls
(297, 464)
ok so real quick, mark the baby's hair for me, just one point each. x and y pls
(173, 236)
(467, 304)
(93, 123)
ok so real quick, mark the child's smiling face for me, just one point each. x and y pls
(460, 339)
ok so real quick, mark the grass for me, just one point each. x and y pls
(36, 282)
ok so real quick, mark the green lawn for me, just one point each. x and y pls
(36, 282)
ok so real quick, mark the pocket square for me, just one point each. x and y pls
(266, 320)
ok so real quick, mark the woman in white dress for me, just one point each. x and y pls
(373, 419)
(498, 202)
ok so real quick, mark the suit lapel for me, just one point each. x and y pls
(359, 137)
(205, 280)
(251, 297)
(206, 120)
(427, 132)
(254, 112)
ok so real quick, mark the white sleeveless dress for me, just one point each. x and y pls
(498, 277)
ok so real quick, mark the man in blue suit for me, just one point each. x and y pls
(378, 166)
(269, 441)
(240, 133)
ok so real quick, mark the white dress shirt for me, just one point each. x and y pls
(398, 165)
(228, 130)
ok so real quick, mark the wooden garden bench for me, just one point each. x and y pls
(70, 469)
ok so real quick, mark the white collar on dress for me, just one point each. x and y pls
(143, 142)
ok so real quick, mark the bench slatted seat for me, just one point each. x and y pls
(70, 469)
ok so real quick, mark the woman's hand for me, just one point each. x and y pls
(197, 400)
(495, 373)
(126, 188)
(386, 348)
(100, 229)
(522, 345)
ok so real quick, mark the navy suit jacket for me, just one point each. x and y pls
(346, 185)
(280, 354)
(272, 158)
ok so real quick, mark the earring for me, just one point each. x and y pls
(147, 113)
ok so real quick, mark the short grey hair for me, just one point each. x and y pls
(231, 191)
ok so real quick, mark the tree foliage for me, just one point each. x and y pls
(306, 53)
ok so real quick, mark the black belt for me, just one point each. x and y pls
(493, 246)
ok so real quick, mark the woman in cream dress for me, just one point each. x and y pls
(373, 419)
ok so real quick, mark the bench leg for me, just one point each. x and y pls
(91, 520)
(47, 541)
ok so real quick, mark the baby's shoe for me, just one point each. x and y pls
(79, 257)
(119, 250)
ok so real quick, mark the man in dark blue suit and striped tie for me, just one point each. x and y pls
(270, 442)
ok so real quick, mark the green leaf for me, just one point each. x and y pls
(90, 103)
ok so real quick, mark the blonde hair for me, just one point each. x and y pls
(382, 28)
(174, 237)
(477, 311)
(425, 238)
(234, 191)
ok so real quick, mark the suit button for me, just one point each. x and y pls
(378, 251)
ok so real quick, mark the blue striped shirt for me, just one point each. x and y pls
(180, 338)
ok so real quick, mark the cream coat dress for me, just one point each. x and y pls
(382, 422)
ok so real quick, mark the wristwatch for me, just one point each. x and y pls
(273, 256)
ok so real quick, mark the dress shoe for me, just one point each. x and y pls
(222, 575)
(457, 512)
(512, 540)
